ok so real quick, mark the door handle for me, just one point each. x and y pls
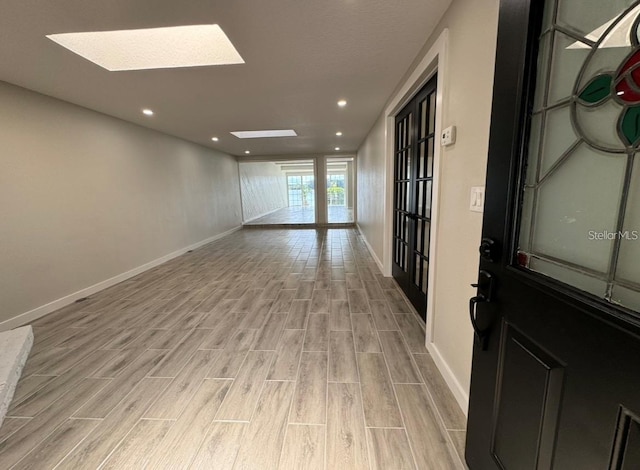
(486, 287)
(482, 335)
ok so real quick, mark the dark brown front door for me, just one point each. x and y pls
(556, 364)
(413, 182)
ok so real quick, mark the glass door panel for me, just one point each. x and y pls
(579, 222)
(402, 190)
(301, 191)
(340, 190)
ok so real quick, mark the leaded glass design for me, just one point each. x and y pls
(581, 194)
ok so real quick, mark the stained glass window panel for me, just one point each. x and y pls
(580, 201)
(565, 66)
(627, 297)
(544, 51)
(629, 259)
(559, 137)
(589, 19)
(571, 204)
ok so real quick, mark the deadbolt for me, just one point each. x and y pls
(489, 250)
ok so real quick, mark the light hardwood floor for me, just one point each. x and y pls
(267, 349)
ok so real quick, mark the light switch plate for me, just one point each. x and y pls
(476, 203)
(448, 136)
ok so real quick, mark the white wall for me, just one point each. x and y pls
(472, 26)
(371, 186)
(264, 189)
(85, 197)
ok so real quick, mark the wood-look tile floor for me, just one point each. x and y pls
(266, 349)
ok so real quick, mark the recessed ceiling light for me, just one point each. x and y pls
(338, 133)
(147, 112)
(247, 152)
(337, 148)
(342, 103)
(259, 134)
(215, 139)
(154, 48)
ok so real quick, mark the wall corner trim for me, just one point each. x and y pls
(373, 253)
(32, 315)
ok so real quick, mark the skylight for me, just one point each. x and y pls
(258, 134)
(156, 48)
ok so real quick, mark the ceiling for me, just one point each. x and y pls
(301, 57)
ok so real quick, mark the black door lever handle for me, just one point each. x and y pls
(482, 335)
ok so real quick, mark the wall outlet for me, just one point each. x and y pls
(448, 136)
(476, 203)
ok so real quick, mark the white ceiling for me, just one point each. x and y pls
(301, 58)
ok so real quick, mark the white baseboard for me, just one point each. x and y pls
(459, 392)
(373, 253)
(32, 315)
(263, 215)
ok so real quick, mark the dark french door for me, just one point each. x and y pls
(413, 183)
(556, 363)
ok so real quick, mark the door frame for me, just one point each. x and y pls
(418, 180)
(433, 61)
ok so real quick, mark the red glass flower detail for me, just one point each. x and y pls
(627, 83)
(624, 87)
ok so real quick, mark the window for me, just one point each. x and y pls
(301, 190)
(335, 189)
